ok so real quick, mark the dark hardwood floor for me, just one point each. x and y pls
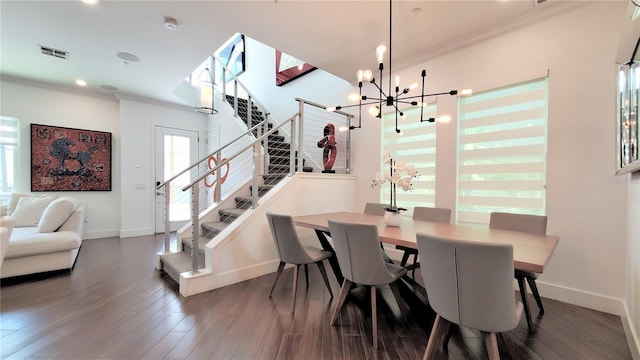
(115, 305)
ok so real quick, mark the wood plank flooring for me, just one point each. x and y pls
(115, 305)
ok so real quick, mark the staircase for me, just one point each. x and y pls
(279, 151)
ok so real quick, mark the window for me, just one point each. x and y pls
(502, 151)
(9, 156)
(415, 145)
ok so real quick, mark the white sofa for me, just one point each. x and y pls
(43, 239)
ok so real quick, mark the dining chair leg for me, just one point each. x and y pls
(374, 318)
(306, 275)
(404, 309)
(440, 327)
(491, 342)
(296, 269)
(275, 279)
(344, 291)
(523, 295)
(323, 272)
(536, 295)
(405, 258)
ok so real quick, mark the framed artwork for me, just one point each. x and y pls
(289, 68)
(232, 55)
(66, 159)
(627, 118)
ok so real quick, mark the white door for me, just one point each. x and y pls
(176, 150)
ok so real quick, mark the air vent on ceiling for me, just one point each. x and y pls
(54, 52)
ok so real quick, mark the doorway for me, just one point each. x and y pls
(176, 149)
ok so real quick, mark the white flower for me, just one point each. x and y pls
(400, 174)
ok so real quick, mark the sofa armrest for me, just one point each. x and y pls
(75, 222)
(3, 209)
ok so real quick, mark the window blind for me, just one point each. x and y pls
(9, 141)
(502, 151)
(416, 145)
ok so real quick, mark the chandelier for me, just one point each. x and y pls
(395, 96)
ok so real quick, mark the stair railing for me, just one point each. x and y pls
(301, 146)
(165, 186)
(256, 148)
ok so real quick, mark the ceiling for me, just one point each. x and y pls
(337, 36)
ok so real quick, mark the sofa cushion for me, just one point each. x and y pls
(56, 213)
(29, 210)
(15, 197)
(28, 241)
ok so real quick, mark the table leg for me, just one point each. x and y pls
(333, 260)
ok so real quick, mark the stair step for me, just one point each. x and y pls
(262, 189)
(243, 202)
(212, 228)
(175, 263)
(229, 215)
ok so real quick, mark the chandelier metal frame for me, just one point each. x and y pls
(394, 96)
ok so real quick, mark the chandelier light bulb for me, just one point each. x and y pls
(353, 97)
(413, 86)
(367, 75)
(397, 81)
(330, 108)
(465, 92)
(380, 50)
(444, 119)
(374, 111)
(360, 75)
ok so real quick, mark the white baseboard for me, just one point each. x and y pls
(136, 232)
(632, 334)
(100, 234)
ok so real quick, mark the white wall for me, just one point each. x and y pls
(586, 203)
(317, 86)
(37, 105)
(137, 122)
(127, 210)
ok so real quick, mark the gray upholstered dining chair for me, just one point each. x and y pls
(531, 224)
(375, 208)
(422, 213)
(293, 252)
(358, 251)
(469, 284)
(378, 209)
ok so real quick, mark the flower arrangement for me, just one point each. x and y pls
(400, 175)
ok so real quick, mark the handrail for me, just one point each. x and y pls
(226, 72)
(324, 107)
(248, 132)
(239, 152)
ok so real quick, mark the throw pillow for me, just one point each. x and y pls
(15, 197)
(29, 210)
(56, 214)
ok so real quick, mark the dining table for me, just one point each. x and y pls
(530, 252)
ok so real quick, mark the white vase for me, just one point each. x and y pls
(392, 218)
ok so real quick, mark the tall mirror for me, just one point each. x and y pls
(627, 93)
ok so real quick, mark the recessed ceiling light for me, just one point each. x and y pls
(128, 57)
(81, 82)
(91, 2)
(109, 87)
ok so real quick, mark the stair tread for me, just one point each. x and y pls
(214, 225)
(232, 211)
(179, 261)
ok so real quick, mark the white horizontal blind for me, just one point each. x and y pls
(9, 142)
(502, 151)
(416, 144)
